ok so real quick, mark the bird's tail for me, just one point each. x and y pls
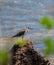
(13, 36)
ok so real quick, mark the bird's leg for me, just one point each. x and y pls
(22, 37)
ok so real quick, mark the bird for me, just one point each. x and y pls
(22, 32)
(21, 41)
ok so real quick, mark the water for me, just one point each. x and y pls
(17, 14)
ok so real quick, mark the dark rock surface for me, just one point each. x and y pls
(26, 55)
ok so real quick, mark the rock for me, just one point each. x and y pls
(26, 55)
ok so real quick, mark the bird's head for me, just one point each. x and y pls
(27, 29)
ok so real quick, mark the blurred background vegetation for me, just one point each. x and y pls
(48, 23)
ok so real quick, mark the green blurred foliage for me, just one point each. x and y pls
(49, 43)
(47, 22)
(3, 57)
(20, 42)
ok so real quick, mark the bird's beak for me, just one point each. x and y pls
(30, 28)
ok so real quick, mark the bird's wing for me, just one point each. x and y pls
(19, 34)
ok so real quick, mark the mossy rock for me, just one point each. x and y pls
(26, 55)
